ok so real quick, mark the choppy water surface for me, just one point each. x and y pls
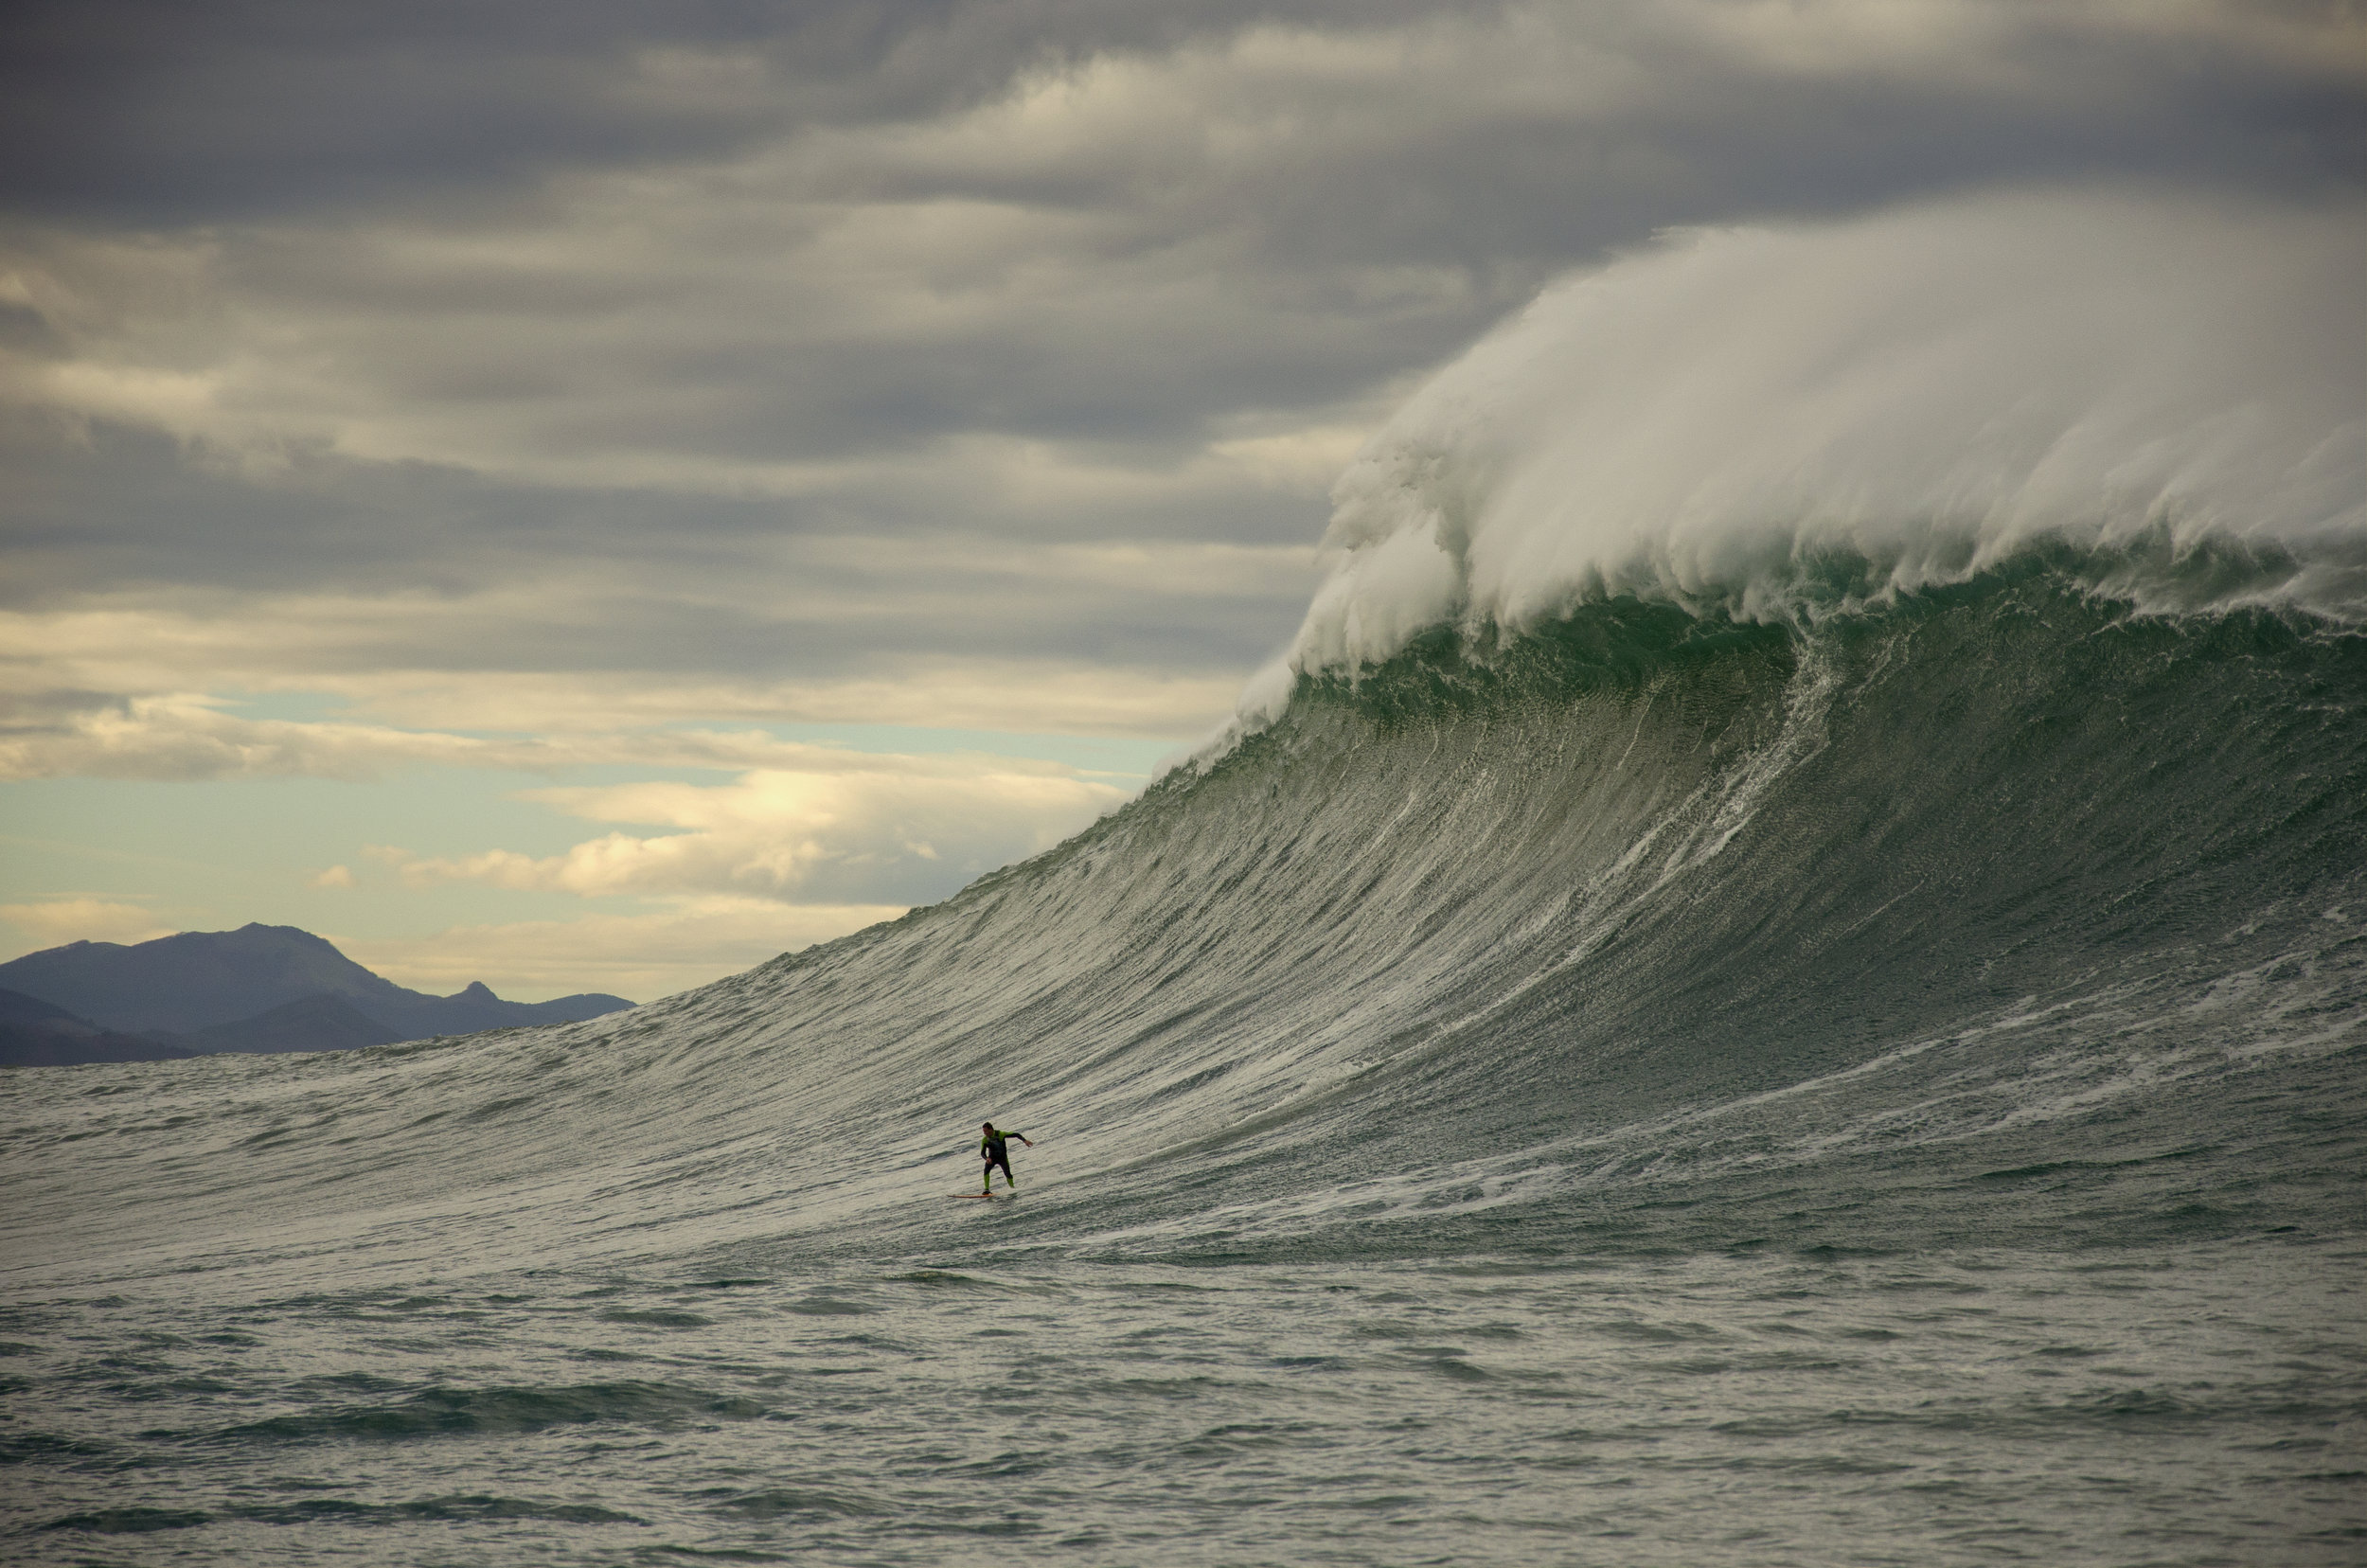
(2200, 1405)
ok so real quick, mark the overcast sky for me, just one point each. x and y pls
(588, 495)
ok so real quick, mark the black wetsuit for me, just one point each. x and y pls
(996, 1152)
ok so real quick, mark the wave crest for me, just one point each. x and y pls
(1767, 423)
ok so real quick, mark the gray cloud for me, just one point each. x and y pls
(152, 111)
(803, 343)
(522, 577)
(145, 112)
(148, 111)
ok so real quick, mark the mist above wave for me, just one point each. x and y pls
(1762, 421)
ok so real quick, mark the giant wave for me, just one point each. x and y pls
(1966, 772)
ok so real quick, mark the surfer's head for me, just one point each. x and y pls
(988, 1127)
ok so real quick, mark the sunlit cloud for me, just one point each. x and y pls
(953, 633)
(836, 828)
(189, 737)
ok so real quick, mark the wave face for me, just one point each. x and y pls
(1502, 946)
(1998, 878)
(1788, 986)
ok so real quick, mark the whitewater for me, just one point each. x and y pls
(1775, 977)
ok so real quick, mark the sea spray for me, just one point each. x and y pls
(1765, 421)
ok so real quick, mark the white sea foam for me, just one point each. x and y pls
(1920, 393)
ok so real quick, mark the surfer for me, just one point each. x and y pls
(992, 1149)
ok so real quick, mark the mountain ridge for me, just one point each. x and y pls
(34, 1033)
(264, 987)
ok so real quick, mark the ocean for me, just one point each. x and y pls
(1844, 1051)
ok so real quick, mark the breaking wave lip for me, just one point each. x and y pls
(1782, 423)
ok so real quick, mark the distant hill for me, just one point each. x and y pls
(262, 988)
(34, 1033)
(323, 1023)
